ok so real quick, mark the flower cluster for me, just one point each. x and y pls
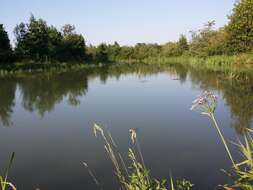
(206, 103)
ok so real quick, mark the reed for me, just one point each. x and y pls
(135, 176)
(244, 169)
(4, 183)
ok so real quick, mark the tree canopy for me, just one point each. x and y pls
(36, 40)
(240, 26)
(5, 47)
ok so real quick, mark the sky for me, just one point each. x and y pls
(125, 21)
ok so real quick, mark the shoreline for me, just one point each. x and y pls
(225, 63)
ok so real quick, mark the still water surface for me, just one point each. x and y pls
(46, 119)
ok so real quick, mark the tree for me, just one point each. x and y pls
(68, 30)
(183, 44)
(171, 49)
(101, 53)
(113, 51)
(32, 39)
(55, 43)
(20, 32)
(5, 47)
(208, 41)
(143, 50)
(73, 44)
(126, 52)
(240, 27)
(38, 41)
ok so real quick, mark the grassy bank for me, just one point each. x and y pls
(224, 63)
(29, 66)
(32, 66)
(215, 63)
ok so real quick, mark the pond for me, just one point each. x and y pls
(47, 119)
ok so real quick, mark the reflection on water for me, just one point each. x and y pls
(41, 92)
(7, 100)
(238, 94)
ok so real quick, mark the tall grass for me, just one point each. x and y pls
(244, 169)
(224, 63)
(135, 176)
(4, 183)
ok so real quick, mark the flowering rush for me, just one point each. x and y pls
(206, 103)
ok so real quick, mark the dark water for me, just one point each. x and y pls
(46, 119)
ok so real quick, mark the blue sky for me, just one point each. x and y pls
(125, 21)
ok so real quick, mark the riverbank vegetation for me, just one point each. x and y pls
(39, 46)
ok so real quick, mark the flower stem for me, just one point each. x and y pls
(223, 139)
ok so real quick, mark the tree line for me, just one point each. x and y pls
(37, 41)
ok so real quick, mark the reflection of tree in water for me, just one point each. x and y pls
(181, 72)
(7, 100)
(116, 71)
(42, 92)
(240, 98)
(238, 94)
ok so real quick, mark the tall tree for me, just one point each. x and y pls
(38, 41)
(5, 47)
(73, 43)
(240, 26)
(55, 43)
(32, 39)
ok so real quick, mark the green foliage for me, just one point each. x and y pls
(183, 44)
(38, 41)
(101, 54)
(113, 51)
(55, 43)
(126, 53)
(244, 169)
(142, 50)
(207, 41)
(5, 47)
(240, 27)
(171, 49)
(73, 44)
(184, 185)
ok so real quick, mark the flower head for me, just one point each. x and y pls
(133, 135)
(206, 103)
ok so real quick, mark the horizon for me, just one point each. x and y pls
(106, 22)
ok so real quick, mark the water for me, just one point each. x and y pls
(46, 119)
